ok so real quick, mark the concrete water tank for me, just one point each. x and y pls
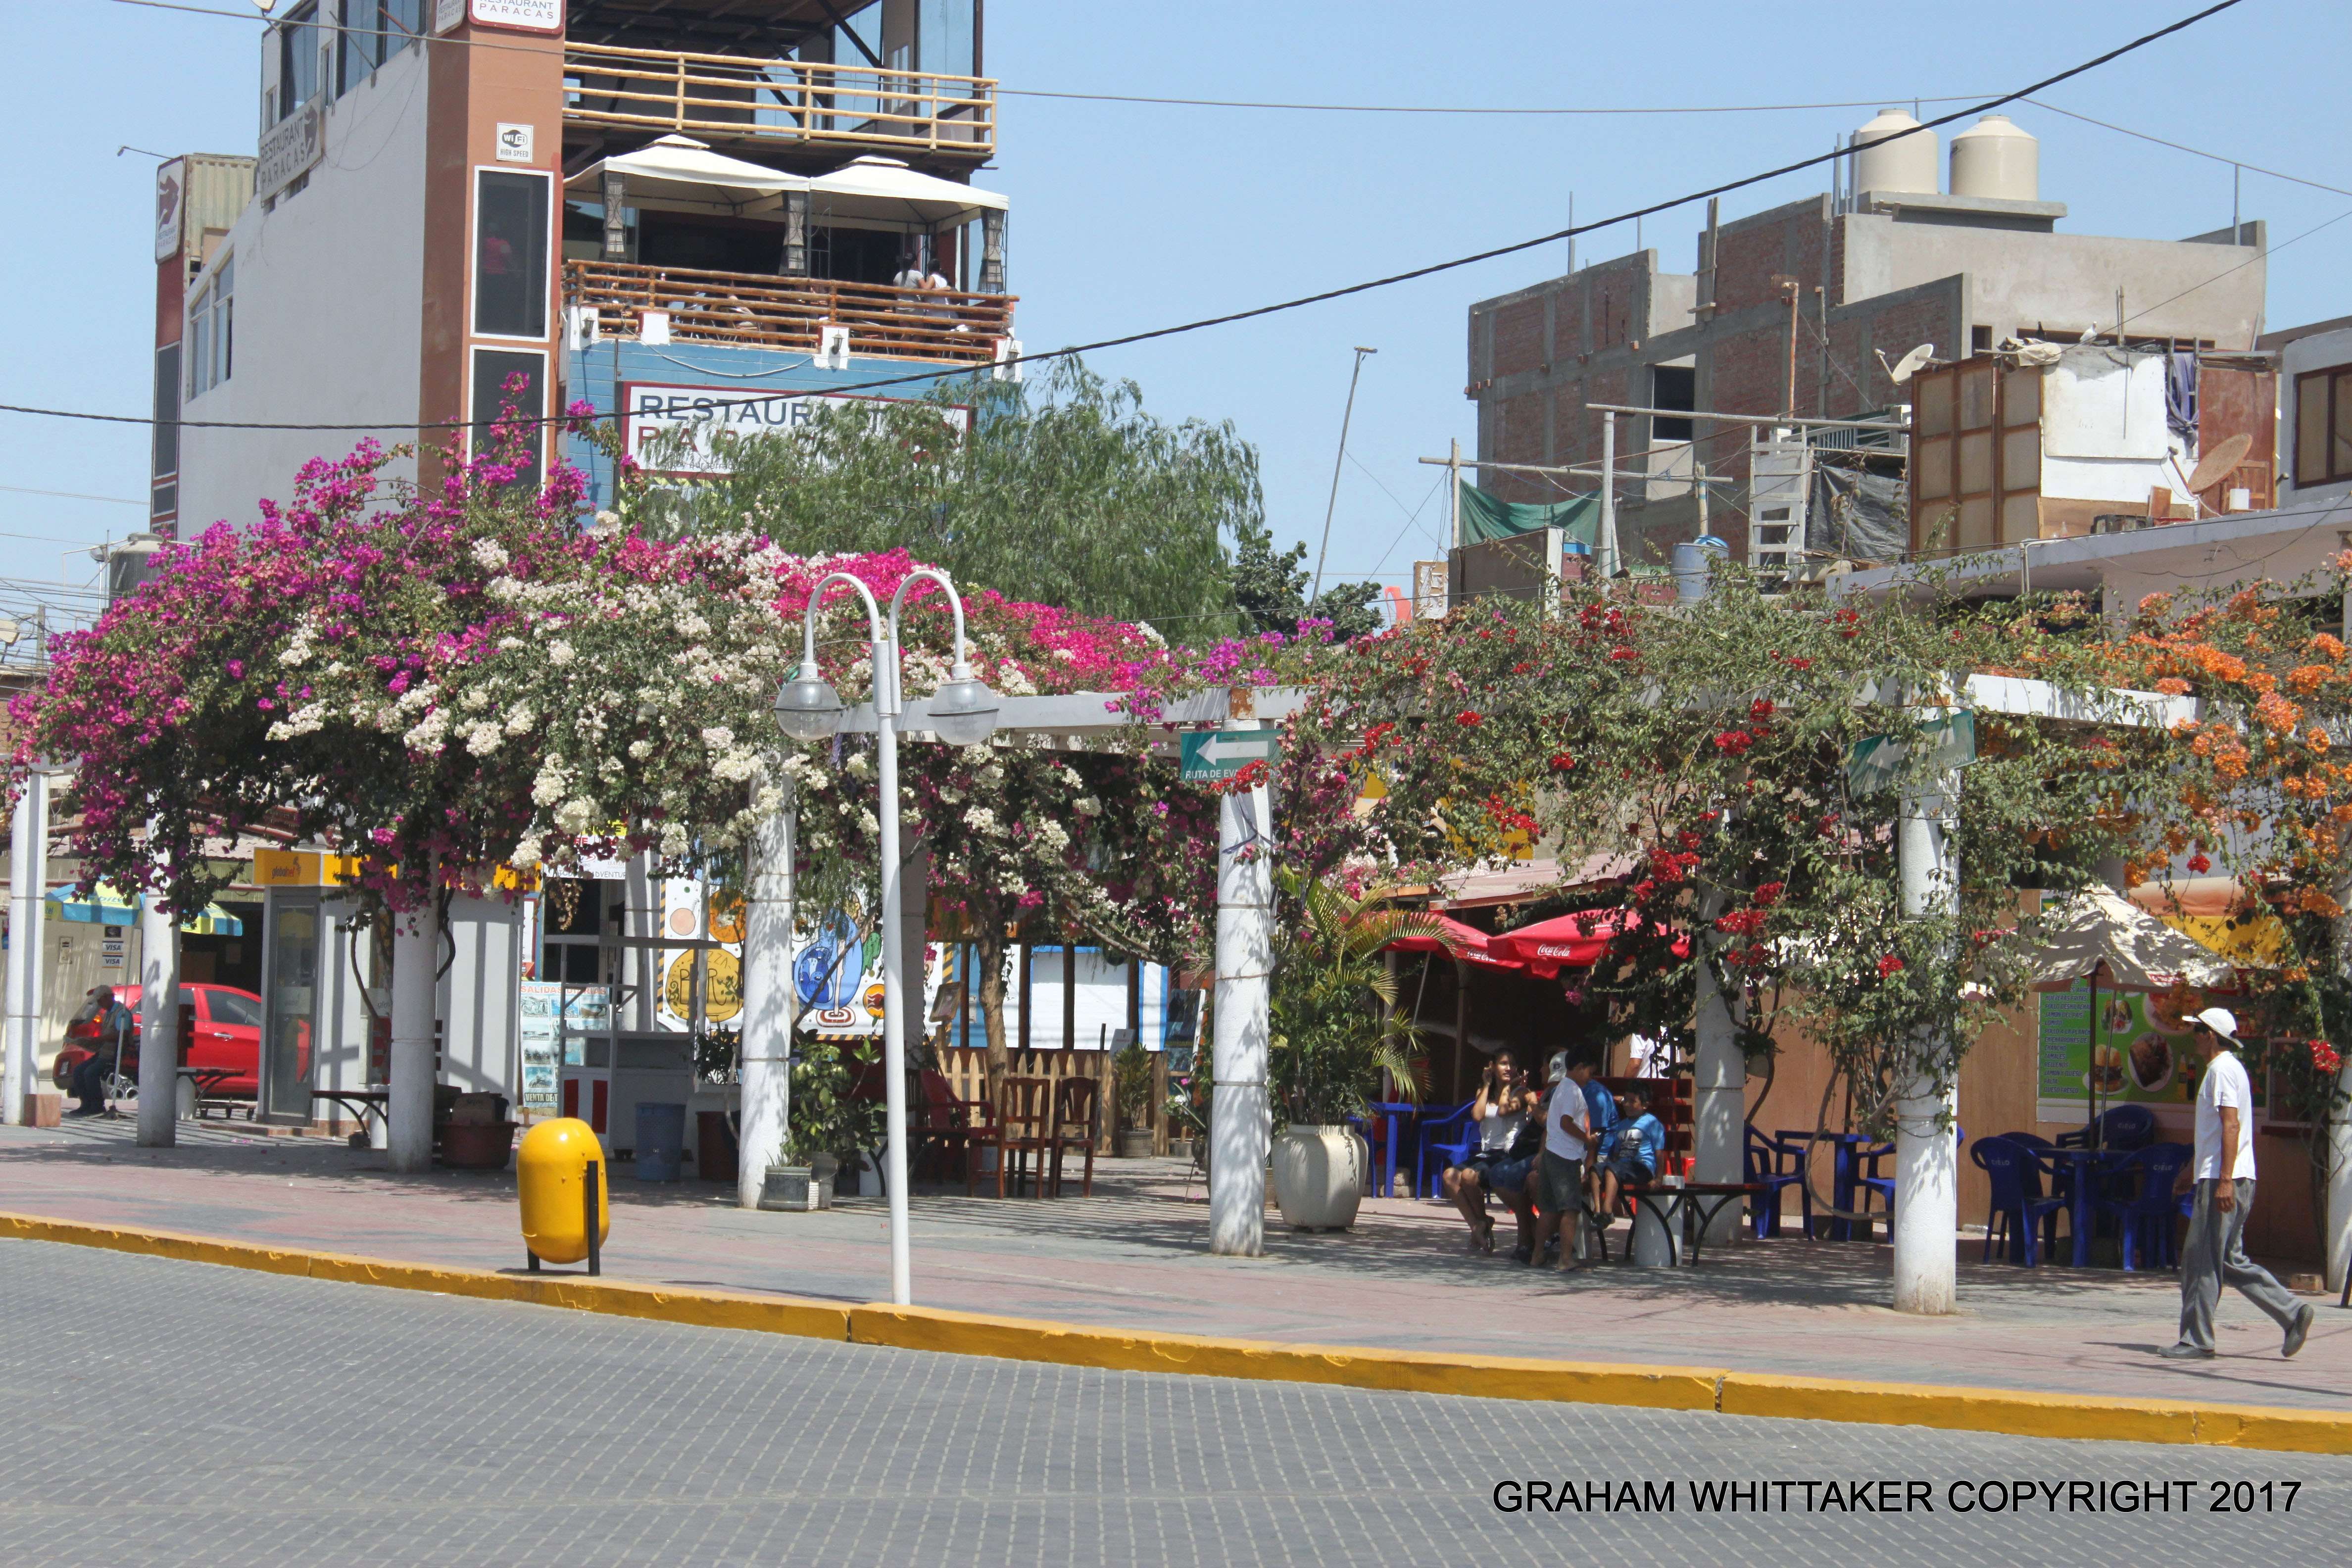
(1993, 158)
(1880, 165)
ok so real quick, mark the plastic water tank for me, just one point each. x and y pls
(1993, 158)
(1695, 561)
(1880, 165)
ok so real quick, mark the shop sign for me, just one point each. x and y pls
(518, 15)
(653, 416)
(290, 148)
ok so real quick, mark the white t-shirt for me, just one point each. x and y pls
(1499, 1127)
(1566, 1101)
(2225, 1084)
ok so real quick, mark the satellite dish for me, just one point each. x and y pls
(2215, 466)
(1903, 369)
(9, 632)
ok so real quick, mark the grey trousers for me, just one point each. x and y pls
(2216, 1253)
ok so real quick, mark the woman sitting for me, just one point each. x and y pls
(1506, 1102)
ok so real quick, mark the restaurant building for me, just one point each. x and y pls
(675, 211)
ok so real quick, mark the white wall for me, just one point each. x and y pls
(329, 306)
(480, 997)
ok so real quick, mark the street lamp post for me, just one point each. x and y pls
(963, 712)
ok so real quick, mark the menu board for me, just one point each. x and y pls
(554, 1017)
(2138, 1044)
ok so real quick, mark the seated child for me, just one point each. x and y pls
(1631, 1155)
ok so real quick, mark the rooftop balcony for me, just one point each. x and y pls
(749, 310)
(772, 105)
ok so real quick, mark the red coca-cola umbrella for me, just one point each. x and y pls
(1568, 941)
(1472, 945)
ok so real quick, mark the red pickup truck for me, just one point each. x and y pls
(227, 1036)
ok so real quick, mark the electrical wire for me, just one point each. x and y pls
(1228, 318)
(2256, 259)
(2192, 151)
(66, 495)
(1464, 109)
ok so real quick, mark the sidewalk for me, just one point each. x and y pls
(1135, 1256)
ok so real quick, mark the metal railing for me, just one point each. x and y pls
(756, 310)
(730, 98)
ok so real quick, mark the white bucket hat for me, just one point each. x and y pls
(2222, 1021)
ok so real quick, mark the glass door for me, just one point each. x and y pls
(292, 995)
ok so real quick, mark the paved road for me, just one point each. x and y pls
(163, 1412)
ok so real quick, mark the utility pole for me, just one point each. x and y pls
(1788, 286)
(1608, 497)
(1453, 496)
(1317, 592)
(1698, 488)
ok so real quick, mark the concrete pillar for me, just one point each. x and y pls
(416, 954)
(20, 1044)
(914, 941)
(1239, 1126)
(1927, 1163)
(2339, 1181)
(159, 1023)
(641, 967)
(1718, 1099)
(768, 1006)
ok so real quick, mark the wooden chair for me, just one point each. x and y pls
(1074, 1128)
(1023, 1127)
(948, 1130)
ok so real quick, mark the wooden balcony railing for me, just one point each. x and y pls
(755, 310)
(730, 98)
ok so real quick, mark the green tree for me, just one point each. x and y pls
(1270, 590)
(1065, 491)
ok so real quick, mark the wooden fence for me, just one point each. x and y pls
(762, 311)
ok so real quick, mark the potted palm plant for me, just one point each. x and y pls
(1335, 1032)
(1132, 1082)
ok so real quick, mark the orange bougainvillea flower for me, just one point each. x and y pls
(2305, 679)
(2173, 686)
(2275, 712)
(2327, 645)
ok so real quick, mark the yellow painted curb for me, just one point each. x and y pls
(614, 1298)
(1347, 1366)
(2010, 1412)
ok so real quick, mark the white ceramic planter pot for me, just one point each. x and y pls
(1318, 1177)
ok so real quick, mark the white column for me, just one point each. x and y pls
(1926, 1164)
(1608, 551)
(894, 972)
(2339, 1181)
(27, 862)
(767, 998)
(641, 967)
(1718, 1099)
(1239, 1126)
(159, 1022)
(416, 954)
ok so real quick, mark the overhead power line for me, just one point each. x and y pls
(2192, 151)
(1474, 108)
(1228, 318)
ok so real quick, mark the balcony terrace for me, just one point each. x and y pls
(780, 105)
(746, 310)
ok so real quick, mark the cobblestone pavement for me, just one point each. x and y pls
(1136, 1255)
(174, 1413)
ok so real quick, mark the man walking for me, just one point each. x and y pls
(2223, 1171)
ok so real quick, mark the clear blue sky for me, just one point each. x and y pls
(1128, 216)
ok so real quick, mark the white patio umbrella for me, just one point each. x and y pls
(2111, 941)
(885, 190)
(678, 174)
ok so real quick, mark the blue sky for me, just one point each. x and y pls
(1129, 215)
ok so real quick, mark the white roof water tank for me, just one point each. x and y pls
(1908, 165)
(1993, 158)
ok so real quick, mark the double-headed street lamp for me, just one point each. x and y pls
(963, 712)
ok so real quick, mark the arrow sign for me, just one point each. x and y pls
(1212, 756)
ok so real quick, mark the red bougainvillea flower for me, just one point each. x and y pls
(1468, 720)
(2325, 1060)
(2199, 865)
(1890, 964)
(1760, 710)
(1561, 761)
(1732, 742)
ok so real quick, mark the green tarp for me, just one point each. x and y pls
(1483, 517)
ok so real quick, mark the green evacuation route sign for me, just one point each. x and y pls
(1214, 756)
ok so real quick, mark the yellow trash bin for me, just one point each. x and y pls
(553, 1172)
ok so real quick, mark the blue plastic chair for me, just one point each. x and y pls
(1867, 1181)
(1774, 1166)
(2123, 1128)
(1442, 1138)
(2024, 1213)
(2145, 1211)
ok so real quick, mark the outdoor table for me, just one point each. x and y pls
(1842, 1181)
(361, 1103)
(2090, 1169)
(1671, 1208)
